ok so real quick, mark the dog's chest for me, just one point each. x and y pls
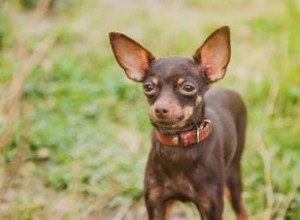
(179, 186)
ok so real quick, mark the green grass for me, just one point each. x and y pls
(88, 127)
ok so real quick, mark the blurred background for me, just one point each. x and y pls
(74, 131)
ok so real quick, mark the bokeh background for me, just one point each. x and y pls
(74, 131)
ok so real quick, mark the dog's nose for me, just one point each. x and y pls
(161, 111)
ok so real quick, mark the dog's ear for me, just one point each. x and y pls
(131, 56)
(214, 54)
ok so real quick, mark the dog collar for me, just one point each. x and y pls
(186, 138)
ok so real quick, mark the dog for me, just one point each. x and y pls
(199, 133)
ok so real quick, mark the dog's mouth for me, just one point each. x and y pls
(171, 127)
(178, 120)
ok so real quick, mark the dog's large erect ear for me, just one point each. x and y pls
(131, 56)
(214, 54)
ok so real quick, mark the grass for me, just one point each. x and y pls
(80, 141)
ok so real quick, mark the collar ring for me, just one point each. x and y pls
(198, 135)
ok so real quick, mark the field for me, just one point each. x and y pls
(74, 133)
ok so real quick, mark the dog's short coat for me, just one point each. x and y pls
(180, 101)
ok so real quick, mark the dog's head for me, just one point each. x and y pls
(174, 86)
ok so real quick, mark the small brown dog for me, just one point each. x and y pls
(199, 134)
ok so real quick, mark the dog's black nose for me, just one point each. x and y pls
(161, 111)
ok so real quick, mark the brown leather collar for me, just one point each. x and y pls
(186, 138)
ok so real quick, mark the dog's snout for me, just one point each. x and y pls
(162, 111)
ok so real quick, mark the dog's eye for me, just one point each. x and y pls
(149, 88)
(188, 89)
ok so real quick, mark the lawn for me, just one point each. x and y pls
(74, 131)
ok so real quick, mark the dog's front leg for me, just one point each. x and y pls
(210, 204)
(156, 205)
(156, 211)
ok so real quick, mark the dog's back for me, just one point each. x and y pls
(227, 111)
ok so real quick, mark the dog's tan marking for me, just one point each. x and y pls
(169, 207)
(154, 81)
(242, 216)
(188, 111)
(227, 194)
(180, 81)
(205, 203)
(154, 194)
(198, 100)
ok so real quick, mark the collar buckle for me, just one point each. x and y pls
(175, 139)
